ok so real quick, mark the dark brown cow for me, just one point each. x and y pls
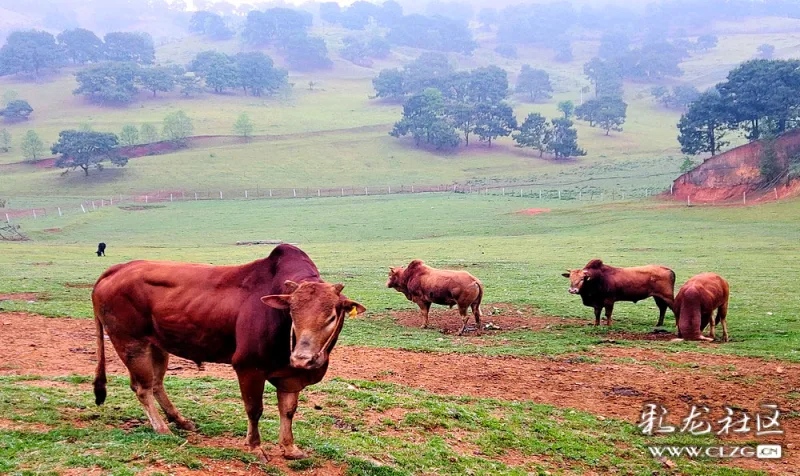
(600, 285)
(273, 319)
(695, 304)
(424, 286)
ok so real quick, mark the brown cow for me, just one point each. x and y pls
(600, 285)
(695, 304)
(273, 319)
(424, 286)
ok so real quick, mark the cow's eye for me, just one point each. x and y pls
(586, 278)
(331, 319)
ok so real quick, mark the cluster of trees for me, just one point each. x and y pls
(558, 136)
(760, 98)
(359, 14)
(606, 112)
(543, 24)
(679, 97)
(432, 33)
(534, 83)
(32, 52)
(465, 103)
(652, 61)
(120, 82)
(16, 110)
(210, 25)
(287, 29)
(360, 51)
(254, 72)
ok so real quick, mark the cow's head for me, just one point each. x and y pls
(318, 311)
(395, 278)
(577, 279)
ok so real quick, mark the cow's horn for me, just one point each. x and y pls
(338, 287)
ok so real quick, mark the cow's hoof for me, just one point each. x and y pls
(186, 425)
(293, 452)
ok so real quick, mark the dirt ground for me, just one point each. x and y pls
(616, 383)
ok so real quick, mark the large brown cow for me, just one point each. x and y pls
(601, 285)
(273, 319)
(695, 304)
(424, 286)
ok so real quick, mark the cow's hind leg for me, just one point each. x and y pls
(137, 357)
(722, 317)
(425, 307)
(160, 362)
(476, 311)
(663, 305)
(609, 311)
(251, 384)
(462, 310)
(287, 406)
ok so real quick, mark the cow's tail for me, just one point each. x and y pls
(100, 373)
(690, 323)
(478, 300)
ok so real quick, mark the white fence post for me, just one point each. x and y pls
(343, 191)
(195, 196)
(34, 213)
(688, 201)
(744, 198)
(93, 207)
(559, 194)
(776, 193)
(390, 189)
(366, 192)
(318, 193)
(245, 194)
(504, 191)
(412, 189)
(84, 210)
(220, 194)
(8, 220)
(59, 211)
(294, 192)
(111, 202)
(270, 193)
(145, 199)
(170, 197)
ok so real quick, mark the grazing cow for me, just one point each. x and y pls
(273, 319)
(101, 249)
(600, 285)
(424, 286)
(695, 304)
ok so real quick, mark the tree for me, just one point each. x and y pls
(534, 132)
(329, 12)
(112, 83)
(82, 150)
(218, 70)
(29, 52)
(606, 77)
(563, 49)
(306, 53)
(706, 42)
(611, 114)
(158, 78)
(463, 116)
(506, 51)
(149, 134)
(389, 84)
(424, 119)
(243, 126)
(687, 165)
(8, 96)
(127, 46)
(129, 135)
(487, 17)
(703, 127)
(32, 146)
(588, 111)
(432, 33)
(5, 140)
(275, 26)
(766, 51)
(488, 84)
(535, 83)
(493, 120)
(16, 111)
(564, 140)
(177, 127)
(257, 73)
(190, 84)
(209, 24)
(81, 45)
(613, 44)
(567, 108)
(768, 163)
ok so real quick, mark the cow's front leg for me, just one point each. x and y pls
(597, 310)
(287, 405)
(251, 384)
(609, 310)
(425, 308)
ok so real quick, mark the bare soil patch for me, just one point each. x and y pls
(497, 317)
(140, 208)
(53, 230)
(617, 386)
(19, 297)
(532, 211)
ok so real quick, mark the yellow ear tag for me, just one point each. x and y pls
(353, 312)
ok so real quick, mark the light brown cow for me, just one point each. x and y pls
(601, 285)
(695, 304)
(424, 286)
(274, 320)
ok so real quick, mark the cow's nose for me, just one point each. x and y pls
(305, 361)
(573, 291)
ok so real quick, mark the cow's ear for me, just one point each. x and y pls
(353, 308)
(277, 301)
(338, 287)
(290, 286)
(566, 275)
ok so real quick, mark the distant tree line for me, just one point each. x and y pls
(359, 14)
(759, 99)
(287, 30)
(361, 51)
(211, 25)
(33, 52)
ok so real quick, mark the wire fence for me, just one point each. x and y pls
(537, 191)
